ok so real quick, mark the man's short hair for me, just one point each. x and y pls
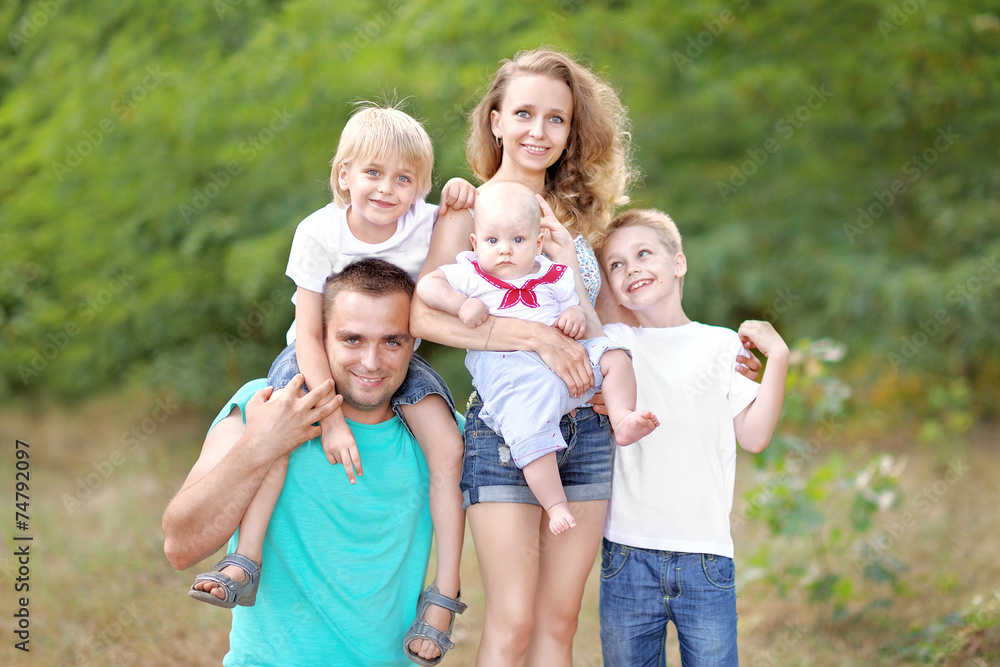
(371, 276)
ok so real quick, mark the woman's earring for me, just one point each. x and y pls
(499, 142)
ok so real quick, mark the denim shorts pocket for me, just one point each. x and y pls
(719, 570)
(613, 559)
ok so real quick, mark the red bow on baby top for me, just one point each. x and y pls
(525, 294)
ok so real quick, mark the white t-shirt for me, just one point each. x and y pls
(551, 298)
(324, 245)
(673, 490)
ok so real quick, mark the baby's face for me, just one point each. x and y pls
(505, 244)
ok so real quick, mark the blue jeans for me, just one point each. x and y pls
(643, 589)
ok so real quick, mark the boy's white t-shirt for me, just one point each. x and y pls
(673, 489)
(323, 244)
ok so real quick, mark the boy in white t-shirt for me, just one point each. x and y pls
(673, 490)
(523, 400)
(379, 177)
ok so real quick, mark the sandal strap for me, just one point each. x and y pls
(238, 560)
(229, 585)
(423, 630)
(432, 596)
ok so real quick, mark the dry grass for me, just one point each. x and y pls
(103, 594)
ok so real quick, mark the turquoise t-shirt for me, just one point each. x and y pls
(343, 565)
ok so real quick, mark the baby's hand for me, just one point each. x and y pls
(473, 313)
(340, 447)
(762, 335)
(457, 194)
(572, 322)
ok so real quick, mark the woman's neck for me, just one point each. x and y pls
(534, 180)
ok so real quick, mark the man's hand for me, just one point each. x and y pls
(286, 417)
(473, 312)
(572, 322)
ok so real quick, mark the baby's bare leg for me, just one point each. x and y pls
(542, 476)
(619, 393)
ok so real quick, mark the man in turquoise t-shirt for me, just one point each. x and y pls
(344, 564)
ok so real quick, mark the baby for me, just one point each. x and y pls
(523, 400)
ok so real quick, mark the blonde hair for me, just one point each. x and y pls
(658, 221)
(594, 175)
(516, 201)
(382, 133)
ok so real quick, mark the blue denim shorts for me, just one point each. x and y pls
(421, 380)
(489, 474)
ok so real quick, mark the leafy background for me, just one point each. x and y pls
(832, 166)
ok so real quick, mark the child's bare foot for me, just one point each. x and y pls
(560, 518)
(439, 618)
(233, 581)
(635, 425)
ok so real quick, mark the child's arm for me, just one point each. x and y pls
(338, 441)
(572, 322)
(457, 194)
(755, 425)
(435, 290)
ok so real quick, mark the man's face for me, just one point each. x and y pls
(369, 346)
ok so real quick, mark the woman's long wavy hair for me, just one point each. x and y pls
(594, 175)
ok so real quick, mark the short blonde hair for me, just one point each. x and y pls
(381, 133)
(513, 199)
(593, 177)
(658, 221)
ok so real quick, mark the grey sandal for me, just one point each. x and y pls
(237, 593)
(423, 630)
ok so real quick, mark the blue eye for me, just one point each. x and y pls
(643, 253)
(372, 172)
(492, 240)
(557, 119)
(518, 239)
(404, 179)
(614, 265)
(522, 114)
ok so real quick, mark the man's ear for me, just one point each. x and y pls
(680, 265)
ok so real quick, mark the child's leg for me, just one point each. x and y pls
(253, 526)
(619, 392)
(542, 476)
(433, 425)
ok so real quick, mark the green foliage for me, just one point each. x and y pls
(972, 631)
(831, 167)
(820, 507)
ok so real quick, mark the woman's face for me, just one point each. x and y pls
(533, 121)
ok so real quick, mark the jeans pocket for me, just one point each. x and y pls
(719, 570)
(613, 558)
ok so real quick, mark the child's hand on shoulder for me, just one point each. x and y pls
(763, 336)
(457, 194)
(473, 313)
(572, 322)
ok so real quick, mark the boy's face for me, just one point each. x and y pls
(505, 244)
(381, 192)
(642, 273)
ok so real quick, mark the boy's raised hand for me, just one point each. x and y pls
(473, 312)
(763, 336)
(457, 194)
(572, 322)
